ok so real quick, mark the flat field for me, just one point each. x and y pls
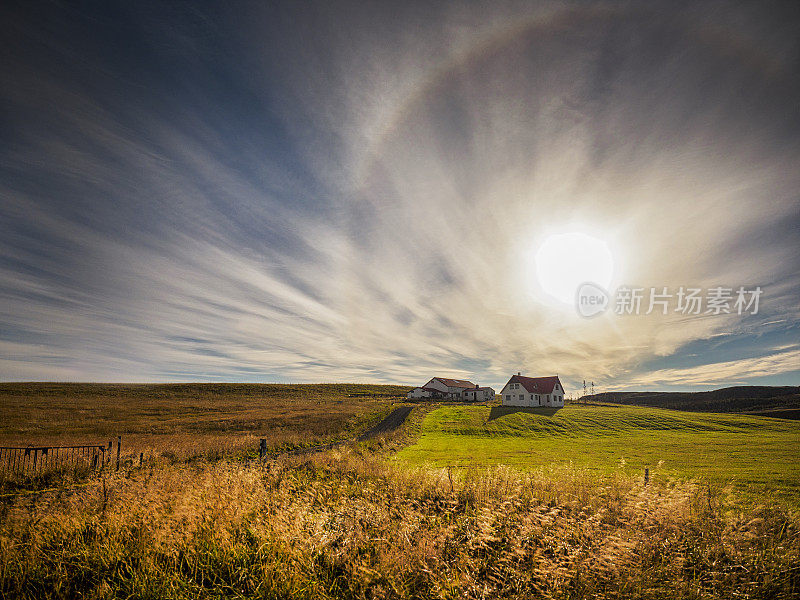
(189, 419)
(348, 524)
(752, 453)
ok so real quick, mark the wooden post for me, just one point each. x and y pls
(141, 458)
(262, 449)
(110, 446)
(646, 475)
(119, 444)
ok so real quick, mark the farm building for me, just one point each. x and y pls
(533, 391)
(478, 394)
(454, 389)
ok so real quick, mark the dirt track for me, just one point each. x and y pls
(393, 420)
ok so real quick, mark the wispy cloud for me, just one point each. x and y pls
(339, 194)
(730, 372)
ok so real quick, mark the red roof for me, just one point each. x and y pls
(536, 385)
(459, 383)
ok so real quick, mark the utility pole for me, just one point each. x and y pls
(584, 391)
(593, 388)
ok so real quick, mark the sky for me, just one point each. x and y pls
(358, 192)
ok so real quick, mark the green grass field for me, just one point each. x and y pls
(754, 454)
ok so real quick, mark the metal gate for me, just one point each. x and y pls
(37, 460)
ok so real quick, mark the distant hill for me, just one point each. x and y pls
(773, 401)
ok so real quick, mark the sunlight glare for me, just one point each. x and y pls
(565, 261)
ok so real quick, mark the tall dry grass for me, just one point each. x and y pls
(185, 422)
(343, 525)
(184, 417)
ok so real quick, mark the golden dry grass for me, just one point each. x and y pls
(186, 420)
(346, 525)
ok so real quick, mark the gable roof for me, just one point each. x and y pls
(536, 385)
(459, 383)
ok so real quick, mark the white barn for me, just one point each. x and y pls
(533, 391)
(454, 389)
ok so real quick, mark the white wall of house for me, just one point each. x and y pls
(514, 394)
(438, 385)
(558, 395)
(418, 393)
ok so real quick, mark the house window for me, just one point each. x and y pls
(508, 398)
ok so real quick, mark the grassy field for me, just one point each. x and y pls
(356, 523)
(753, 453)
(348, 525)
(188, 419)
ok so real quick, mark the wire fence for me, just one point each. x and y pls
(29, 461)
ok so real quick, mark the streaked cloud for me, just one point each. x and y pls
(349, 193)
(731, 372)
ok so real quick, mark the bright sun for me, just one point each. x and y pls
(565, 261)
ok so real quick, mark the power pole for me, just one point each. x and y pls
(584, 391)
(593, 388)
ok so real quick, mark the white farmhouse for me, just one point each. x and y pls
(454, 389)
(533, 391)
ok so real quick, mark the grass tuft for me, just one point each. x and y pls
(343, 524)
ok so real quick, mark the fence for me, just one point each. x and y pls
(37, 460)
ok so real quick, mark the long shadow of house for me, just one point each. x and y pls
(502, 411)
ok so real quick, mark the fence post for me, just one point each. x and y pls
(262, 449)
(646, 475)
(119, 444)
(141, 458)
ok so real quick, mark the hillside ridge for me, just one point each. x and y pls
(750, 399)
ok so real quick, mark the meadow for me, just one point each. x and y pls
(187, 420)
(347, 524)
(755, 454)
(467, 510)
